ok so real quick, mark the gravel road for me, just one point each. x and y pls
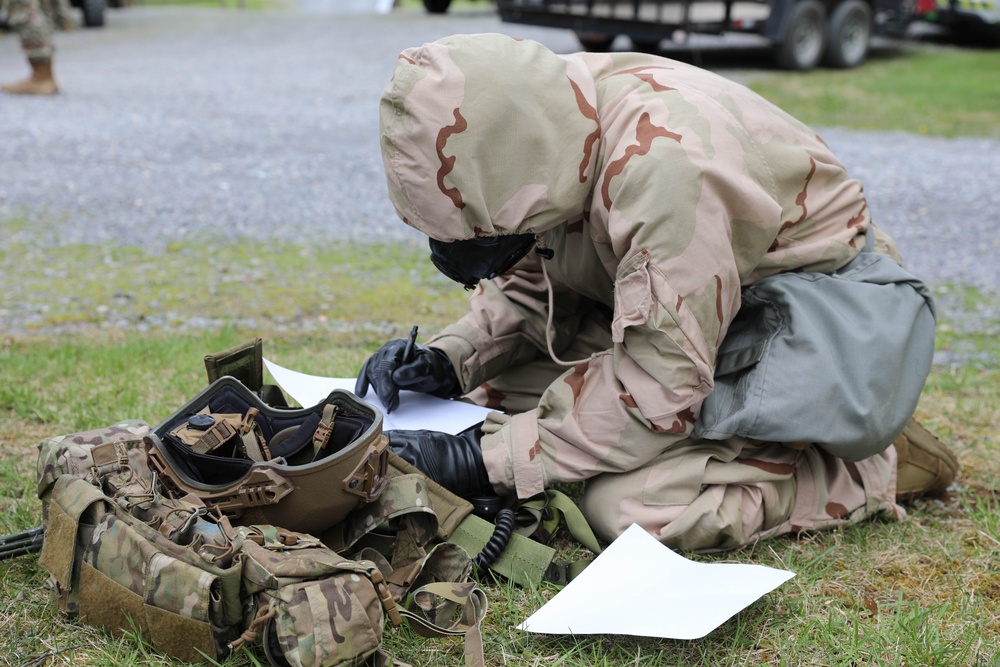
(182, 122)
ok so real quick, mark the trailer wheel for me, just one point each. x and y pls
(848, 35)
(93, 13)
(645, 45)
(802, 45)
(437, 6)
(595, 42)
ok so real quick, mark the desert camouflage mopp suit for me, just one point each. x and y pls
(661, 190)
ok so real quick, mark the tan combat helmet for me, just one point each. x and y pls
(302, 469)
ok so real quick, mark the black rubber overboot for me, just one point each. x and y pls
(453, 461)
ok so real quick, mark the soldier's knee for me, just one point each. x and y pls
(722, 516)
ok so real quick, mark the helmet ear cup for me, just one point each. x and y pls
(288, 439)
(484, 258)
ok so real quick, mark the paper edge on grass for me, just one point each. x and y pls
(639, 587)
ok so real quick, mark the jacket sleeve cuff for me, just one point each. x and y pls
(476, 356)
(459, 351)
(512, 454)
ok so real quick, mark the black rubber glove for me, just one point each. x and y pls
(428, 371)
(453, 461)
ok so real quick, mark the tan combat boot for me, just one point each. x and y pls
(40, 82)
(925, 465)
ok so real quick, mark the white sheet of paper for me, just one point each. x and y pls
(639, 587)
(416, 411)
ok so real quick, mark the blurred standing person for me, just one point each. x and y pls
(30, 22)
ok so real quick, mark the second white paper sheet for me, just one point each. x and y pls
(416, 411)
(639, 587)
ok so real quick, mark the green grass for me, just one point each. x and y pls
(922, 592)
(926, 590)
(926, 89)
(199, 286)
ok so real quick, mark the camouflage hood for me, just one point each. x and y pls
(453, 136)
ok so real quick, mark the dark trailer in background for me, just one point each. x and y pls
(802, 33)
(966, 20)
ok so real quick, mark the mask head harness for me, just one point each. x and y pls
(469, 261)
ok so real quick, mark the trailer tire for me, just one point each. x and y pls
(645, 45)
(848, 34)
(595, 42)
(93, 13)
(803, 42)
(437, 6)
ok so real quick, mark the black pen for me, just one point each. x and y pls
(410, 344)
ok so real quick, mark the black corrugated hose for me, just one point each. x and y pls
(498, 541)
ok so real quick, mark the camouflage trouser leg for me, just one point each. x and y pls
(701, 495)
(27, 19)
(708, 495)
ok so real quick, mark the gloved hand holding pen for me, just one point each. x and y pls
(403, 364)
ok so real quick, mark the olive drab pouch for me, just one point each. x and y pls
(135, 579)
(245, 363)
(837, 359)
(401, 533)
(303, 469)
(106, 459)
(311, 605)
(123, 558)
(97, 455)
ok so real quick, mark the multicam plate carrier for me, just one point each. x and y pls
(181, 534)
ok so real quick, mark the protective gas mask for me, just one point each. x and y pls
(469, 261)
